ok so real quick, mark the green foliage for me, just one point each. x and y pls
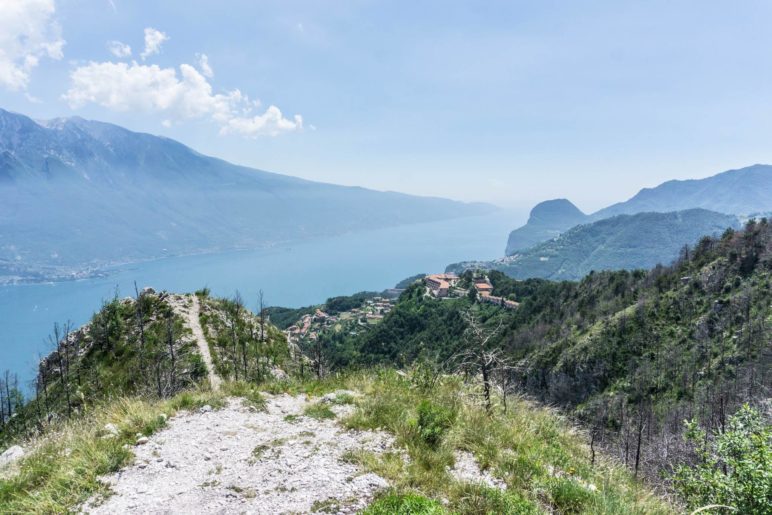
(243, 346)
(433, 422)
(475, 498)
(569, 496)
(393, 503)
(335, 305)
(541, 460)
(319, 411)
(734, 467)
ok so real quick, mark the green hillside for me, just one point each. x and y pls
(621, 242)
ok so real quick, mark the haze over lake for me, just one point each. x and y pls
(294, 275)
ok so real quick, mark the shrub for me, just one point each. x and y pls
(405, 504)
(735, 467)
(433, 422)
(481, 499)
(568, 496)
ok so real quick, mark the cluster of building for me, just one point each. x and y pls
(311, 325)
(447, 285)
(485, 294)
(443, 285)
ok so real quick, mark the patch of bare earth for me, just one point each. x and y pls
(240, 460)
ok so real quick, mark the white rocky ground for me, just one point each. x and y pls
(238, 460)
(189, 308)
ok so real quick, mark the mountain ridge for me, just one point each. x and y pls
(79, 195)
(743, 191)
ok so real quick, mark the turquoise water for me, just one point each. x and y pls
(296, 275)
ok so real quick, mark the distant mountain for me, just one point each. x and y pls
(547, 220)
(76, 195)
(621, 242)
(740, 192)
(743, 192)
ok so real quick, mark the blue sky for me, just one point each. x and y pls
(506, 102)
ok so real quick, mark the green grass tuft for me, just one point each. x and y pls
(319, 411)
(393, 503)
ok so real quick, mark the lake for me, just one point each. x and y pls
(293, 275)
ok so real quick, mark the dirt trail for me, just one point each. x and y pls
(241, 460)
(191, 317)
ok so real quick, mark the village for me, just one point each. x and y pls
(311, 325)
(440, 286)
(444, 286)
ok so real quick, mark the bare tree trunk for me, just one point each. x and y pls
(261, 307)
(638, 446)
(140, 316)
(170, 342)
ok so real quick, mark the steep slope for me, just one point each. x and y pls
(621, 242)
(76, 195)
(547, 220)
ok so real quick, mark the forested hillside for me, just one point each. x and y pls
(631, 354)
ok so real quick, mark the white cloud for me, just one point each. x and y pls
(28, 32)
(119, 49)
(124, 86)
(153, 41)
(203, 65)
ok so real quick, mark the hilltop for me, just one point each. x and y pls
(547, 220)
(77, 196)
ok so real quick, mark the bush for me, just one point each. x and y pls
(406, 504)
(433, 422)
(568, 496)
(480, 499)
(735, 467)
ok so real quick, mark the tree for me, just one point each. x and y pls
(734, 468)
(479, 353)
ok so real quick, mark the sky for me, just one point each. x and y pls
(508, 102)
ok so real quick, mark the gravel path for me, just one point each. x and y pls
(239, 460)
(191, 316)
